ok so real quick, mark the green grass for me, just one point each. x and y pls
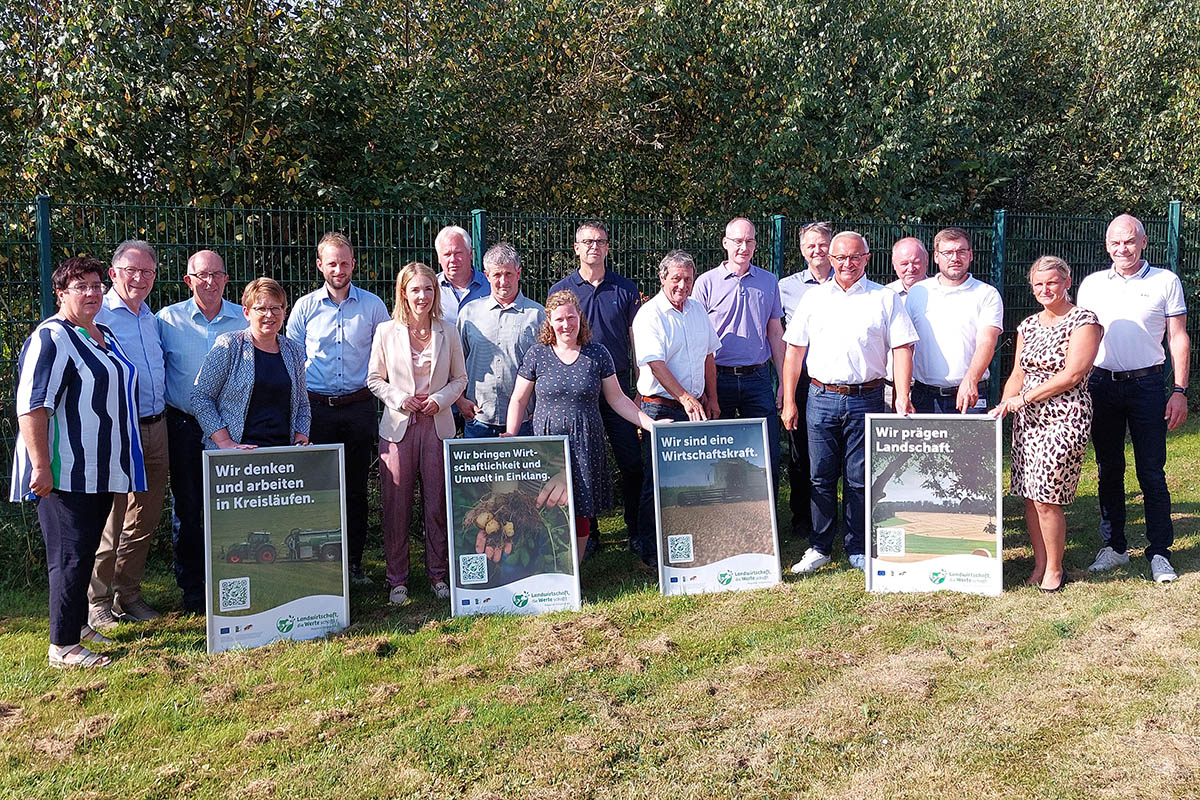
(811, 689)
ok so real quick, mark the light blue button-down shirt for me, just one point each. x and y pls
(453, 298)
(138, 335)
(336, 338)
(187, 336)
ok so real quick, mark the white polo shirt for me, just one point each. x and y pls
(682, 339)
(850, 333)
(949, 319)
(1133, 312)
(897, 286)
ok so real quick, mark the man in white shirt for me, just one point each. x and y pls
(910, 261)
(845, 328)
(1137, 304)
(959, 320)
(677, 373)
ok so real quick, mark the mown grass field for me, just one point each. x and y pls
(812, 689)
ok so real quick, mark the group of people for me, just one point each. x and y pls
(112, 398)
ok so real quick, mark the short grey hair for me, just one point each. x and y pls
(501, 254)
(140, 245)
(451, 230)
(823, 228)
(675, 258)
(855, 234)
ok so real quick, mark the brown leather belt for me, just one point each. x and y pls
(339, 400)
(666, 402)
(850, 388)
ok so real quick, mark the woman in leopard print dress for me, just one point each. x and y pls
(1047, 393)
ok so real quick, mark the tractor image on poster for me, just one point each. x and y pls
(312, 545)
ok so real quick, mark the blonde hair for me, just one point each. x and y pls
(409, 272)
(1047, 263)
(561, 298)
(334, 239)
(260, 286)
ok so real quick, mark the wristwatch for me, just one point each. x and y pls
(1180, 390)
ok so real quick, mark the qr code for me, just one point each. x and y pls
(472, 568)
(889, 541)
(679, 549)
(235, 594)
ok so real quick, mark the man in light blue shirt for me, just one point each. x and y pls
(335, 325)
(188, 330)
(496, 332)
(116, 587)
(458, 281)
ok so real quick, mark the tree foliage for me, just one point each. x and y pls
(917, 108)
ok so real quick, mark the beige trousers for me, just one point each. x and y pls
(125, 543)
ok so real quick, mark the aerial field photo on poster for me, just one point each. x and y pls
(715, 509)
(933, 497)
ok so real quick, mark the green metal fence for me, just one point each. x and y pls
(280, 243)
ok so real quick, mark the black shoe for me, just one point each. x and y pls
(1058, 588)
(357, 576)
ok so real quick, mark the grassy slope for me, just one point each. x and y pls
(813, 689)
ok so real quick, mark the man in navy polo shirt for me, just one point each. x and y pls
(610, 302)
(743, 304)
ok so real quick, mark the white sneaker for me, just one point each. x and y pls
(441, 590)
(1108, 559)
(812, 561)
(1162, 570)
(398, 595)
(859, 562)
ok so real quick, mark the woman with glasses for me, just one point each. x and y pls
(78, 446)
(250, 391)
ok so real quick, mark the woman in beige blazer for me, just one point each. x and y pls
(418, 371)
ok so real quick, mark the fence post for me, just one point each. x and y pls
(45, 257)
(999, 252)
(778, 227)
(1174, 215)
(478, 237)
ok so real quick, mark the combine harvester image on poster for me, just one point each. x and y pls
(274, 541)
(933, 498)
(715, 507)
(510, 518)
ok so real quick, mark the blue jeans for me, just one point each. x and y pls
(1138, 404)
(645, 545)
(800, 499)
(627, 452)
(185, 448)
(928, 402)
(748, 396)
(836, 437)
(482, 430)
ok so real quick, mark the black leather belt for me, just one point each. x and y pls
(746, 370)
(153, 418)
(333, 401)
(1129, 375)
(943, 391)
(848, 388)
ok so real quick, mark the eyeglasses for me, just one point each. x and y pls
(207, 276)
(134, 272)
(86, 288)
(857, 258)
(961, 252)
(740, 242)
(590, 243)
(263, 311)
